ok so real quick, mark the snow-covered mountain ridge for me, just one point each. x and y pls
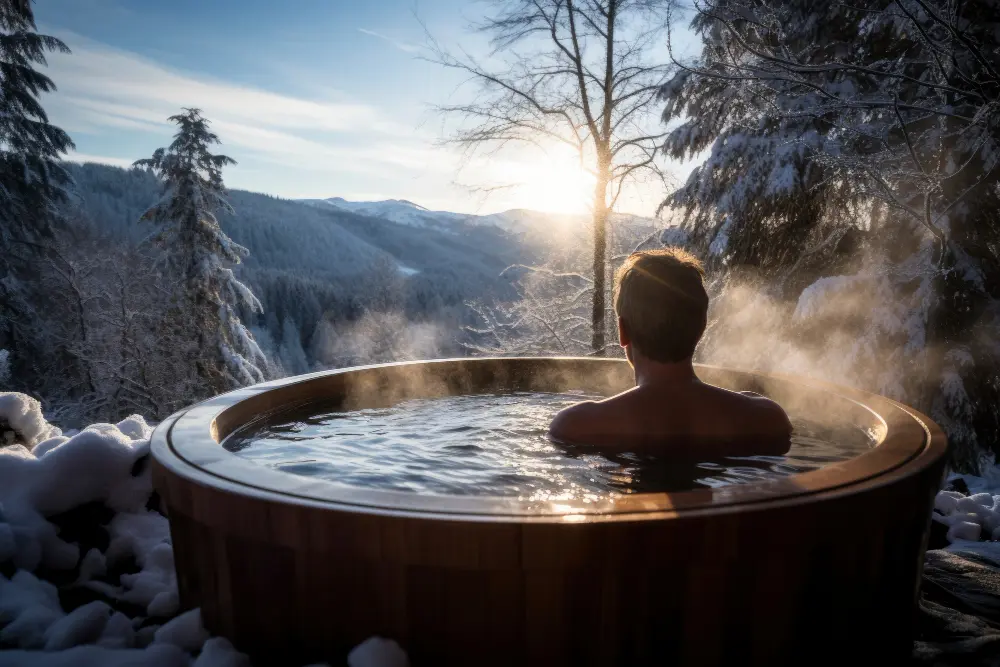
(516, 221)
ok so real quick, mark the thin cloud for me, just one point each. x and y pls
(402, 46)
(103, 92)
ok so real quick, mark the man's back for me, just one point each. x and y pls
(662, 309)
(677, 418)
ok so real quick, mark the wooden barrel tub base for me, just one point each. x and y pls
(816, 568)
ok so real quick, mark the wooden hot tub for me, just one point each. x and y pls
(814, 568)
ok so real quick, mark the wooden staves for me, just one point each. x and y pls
(817, 568)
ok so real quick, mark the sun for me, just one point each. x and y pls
(549, 179)
(557, 182)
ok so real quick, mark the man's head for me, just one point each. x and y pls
(661, 303)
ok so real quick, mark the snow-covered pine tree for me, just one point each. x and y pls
(198, 255)
(853, 169)
(32, 181)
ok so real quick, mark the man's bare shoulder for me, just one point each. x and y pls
(577, 422)
(770, 417)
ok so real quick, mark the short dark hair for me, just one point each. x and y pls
(660, 297)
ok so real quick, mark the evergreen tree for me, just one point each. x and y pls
(32, 181)
(199, 253)
(859, 142)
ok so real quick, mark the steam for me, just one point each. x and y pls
(377, 337)
(823, 335)
(866, 329)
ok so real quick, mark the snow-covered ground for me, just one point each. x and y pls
(86, 565)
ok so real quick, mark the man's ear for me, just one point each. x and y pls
(623, 338)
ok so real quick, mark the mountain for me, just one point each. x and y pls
(403, 212)
(399, 211)
(535, 227)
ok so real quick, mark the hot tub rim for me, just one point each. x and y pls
(197, 456)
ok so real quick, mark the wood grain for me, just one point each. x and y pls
(817, 569)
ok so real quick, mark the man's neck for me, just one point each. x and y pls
(648, 372)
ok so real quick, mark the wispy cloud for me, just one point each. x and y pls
(402, 46)
(104, 91)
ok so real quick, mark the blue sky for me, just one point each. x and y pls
(320, 98)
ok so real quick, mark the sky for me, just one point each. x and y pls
(312, 98)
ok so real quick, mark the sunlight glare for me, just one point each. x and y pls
(551, 180)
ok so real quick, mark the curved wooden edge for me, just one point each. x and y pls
(187, 444)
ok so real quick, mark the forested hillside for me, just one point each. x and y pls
(321, 266)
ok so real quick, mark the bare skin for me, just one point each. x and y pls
(671, 411)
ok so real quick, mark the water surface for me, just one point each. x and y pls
(496, 445)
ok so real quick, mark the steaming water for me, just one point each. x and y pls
(496, 445)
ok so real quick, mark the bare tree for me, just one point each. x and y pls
(550, 314)
(577, 72)
(548, 317)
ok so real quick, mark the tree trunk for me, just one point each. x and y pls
(600, 254)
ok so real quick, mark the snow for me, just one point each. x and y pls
(218, 652)
(721, 239)
(146, 537)
(4, 366)
(83, 625)
(400, 211)
(98, 656)
(21, 419)
(674, 236)
(973, 518)
(406, 270)
(104, 464)
(185, 631)
(377, 652)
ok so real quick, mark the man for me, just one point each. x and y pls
(662, 309)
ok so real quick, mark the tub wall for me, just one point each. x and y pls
(776, 585)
